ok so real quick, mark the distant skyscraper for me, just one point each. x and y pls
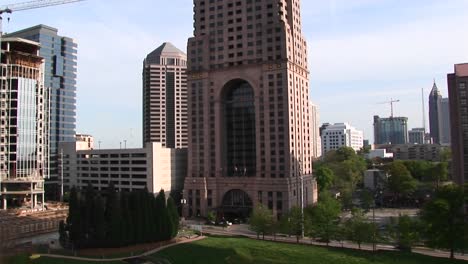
(24, 117)
(165, 97)
(458, 96)
(315, 133)
(341, 135)
(417, 135)
(60, 54)
(392, 130)
(439, 117)
(249, 127)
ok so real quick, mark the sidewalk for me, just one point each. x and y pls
(124, 258)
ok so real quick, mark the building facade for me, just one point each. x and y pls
(249, 120)
(417, 136)
(24, 108)
(153, 167)
(165, 97)
(341, 135)
(439, 117)
(60, 57)
(315, 133)
(392, 130)
(458, 89)
(429, 152)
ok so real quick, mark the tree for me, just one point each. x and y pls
(74, 218)
(261, 220)
(324, 177)
(367, 200)
(323, 219)
(444, 218)
(174, 216)
(439, 173)
(359, 230)
(99, 226)
(400, 181)
(211, 217)
(63, 236)
(405, 231)
(296, 219)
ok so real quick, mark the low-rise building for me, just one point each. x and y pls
(375, 179)
(379, 153)
(152, 167)
(429, 152)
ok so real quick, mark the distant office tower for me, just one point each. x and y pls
(24, 102)
(341, 135)
(458, 89)
(165, 97)
(439, 117)
(392, 130)
(417, 136)
(249, 126)
(314, 130)
(60, 54)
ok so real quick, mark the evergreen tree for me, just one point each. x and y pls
(99, 223)
(63, 236)
(174, 216)
(74, 218)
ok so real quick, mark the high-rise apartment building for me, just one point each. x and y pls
(392, 130)
(439, 117)
(417, 136)
(314, 130)
(458, 96)
(24, 102)
(249, 120)
(60, 57)
(341, 135)
(165, 97)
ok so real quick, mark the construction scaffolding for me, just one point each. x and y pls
(24, 113)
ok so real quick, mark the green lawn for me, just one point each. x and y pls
(24, 259)
(218, 250)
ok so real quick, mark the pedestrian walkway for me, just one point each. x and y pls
(151, 252)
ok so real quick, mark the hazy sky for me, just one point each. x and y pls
(362, 52)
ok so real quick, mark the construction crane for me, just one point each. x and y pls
(8, 9)
(391, 102)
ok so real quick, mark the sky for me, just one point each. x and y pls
(361, 53)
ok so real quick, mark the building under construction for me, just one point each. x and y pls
(24, 119)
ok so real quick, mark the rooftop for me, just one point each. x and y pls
(461, 70)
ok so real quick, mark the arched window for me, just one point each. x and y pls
(239, 118)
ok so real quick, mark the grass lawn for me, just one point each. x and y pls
(24, 259)
(243, 250)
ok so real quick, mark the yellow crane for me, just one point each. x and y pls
(15, 7)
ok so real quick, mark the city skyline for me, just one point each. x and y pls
(386, 40)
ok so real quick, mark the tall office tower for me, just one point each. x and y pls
(458, 96)
(60, 54)
(392, 130)
(439, 117)
(24, 102)
(341, 135)
(165, 97)
(417, 136)
(249, 121)
(314, 131)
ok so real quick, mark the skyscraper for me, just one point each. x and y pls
(417, 135)
(458, 96)
(249, 121)
(24, 116)
(314, 130)
(439, 117)
(60, 57)
(165, 97)
(392, 130)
